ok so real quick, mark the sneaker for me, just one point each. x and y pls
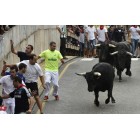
(46, 98)
(56, 97)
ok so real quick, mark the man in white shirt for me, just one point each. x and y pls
(102, 34)
(31, 75)
(91, 40)
(8, 87)
(134, 31)
(63, 35)
(82, 51)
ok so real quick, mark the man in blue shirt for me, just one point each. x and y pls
(21, 70)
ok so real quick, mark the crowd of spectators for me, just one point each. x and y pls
(5, 28)
(90, 35)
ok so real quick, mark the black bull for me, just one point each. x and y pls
(100, 79)
(116, 54)
(122, 58)
(104, 51)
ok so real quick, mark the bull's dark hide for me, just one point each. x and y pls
(100, 79)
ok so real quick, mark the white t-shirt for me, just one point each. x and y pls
(32, 72)
(63, 30)
(91, 32)
(101, 34)
(134, 33)
(82, 38)
(8, 87)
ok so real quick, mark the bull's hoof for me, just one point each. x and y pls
(107, 101)
(128, 73)
(96, 103)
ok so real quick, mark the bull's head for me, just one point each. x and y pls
(122, 51)
(122, 57)
(91, 78)
(110, 45)
(104, 51)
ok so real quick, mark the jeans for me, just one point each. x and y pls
(81, 49)
(63, 46)
(134, 45)
(91, 44)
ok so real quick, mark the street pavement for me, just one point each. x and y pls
(75, 98)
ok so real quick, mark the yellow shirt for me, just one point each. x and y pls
(52, 59)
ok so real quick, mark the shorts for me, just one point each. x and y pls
(91, 44)
(32, 86)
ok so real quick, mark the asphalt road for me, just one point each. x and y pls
(75, 99)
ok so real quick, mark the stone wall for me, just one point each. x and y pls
(37, 35)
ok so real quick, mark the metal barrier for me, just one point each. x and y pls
(72, 46)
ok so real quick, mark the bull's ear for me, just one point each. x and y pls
(81, 74)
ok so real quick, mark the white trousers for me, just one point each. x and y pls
(10, 108)
(9, 103)
(51, 77)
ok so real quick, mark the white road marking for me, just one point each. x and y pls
(134, 59)
(90, 59)
(87, 59)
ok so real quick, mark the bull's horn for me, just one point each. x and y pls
(81, 74)
(97, 45)
(97, 73)
(110, 45)
(114, 53)
(129, 53)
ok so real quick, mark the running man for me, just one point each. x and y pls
(52, 58)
